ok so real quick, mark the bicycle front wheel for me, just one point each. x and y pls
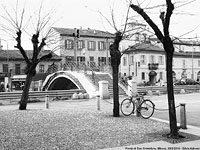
(127, 107)
(147, 109)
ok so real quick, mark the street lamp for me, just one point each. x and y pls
(76, 35)
(193, 50)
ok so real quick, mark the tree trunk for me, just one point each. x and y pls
(25, 94)
(170, 90)
(115, 62)
(115, 69)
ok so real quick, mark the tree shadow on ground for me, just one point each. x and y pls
(163, 136)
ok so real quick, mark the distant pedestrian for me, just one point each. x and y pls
(7, 88)
(2, 88)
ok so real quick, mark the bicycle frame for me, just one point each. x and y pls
(143, 107)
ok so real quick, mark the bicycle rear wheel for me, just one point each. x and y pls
(127, 107)
(147, 109)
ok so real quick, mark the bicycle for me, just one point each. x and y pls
(145, 106)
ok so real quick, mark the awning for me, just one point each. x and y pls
(19, 78)
(152, 73)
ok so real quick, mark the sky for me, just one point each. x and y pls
(93, 14)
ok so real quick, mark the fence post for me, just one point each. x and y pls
(98, 103)
(183, 122)
(47, 101)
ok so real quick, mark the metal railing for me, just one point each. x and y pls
(85, 66)
(39, 94)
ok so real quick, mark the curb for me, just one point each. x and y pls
(190, 128)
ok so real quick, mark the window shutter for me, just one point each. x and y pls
(94, 45)
(83, 43)
(65, 44)
(72, 43)
(88, 44)
(104, 45)
(99, 45)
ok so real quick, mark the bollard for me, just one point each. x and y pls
(137, 102)
(183, 123)
(98, 102)
(47, 101)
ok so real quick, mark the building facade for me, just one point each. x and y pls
(13, 65)
(147, 63)
(87, 46)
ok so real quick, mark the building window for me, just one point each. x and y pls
(81, 59)
(5, 68)
(160, 60)
(91, 63)
(91, 58)
(184, 74)
(152, 59)
(124, 61)
(142, 60)
(91, 45)
(69, 58)
(41, 68)
(143, 75)
(68, 44)
(132, 60)
(80, 44)
(17, 69)
(101, 45)
(101, 60)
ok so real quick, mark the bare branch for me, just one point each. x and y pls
(149, 21)
(190, 31)
(39, 17)
(170, 8)
(156, 6)
(126, 20)
(22, 17)
(186, 3)
(48, 56)
(9, 19)
(18, 39)
(113, 20)
(107, 20)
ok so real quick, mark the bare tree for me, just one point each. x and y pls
(116, 54)
(38, 39)
(169, 50)
(116, 57)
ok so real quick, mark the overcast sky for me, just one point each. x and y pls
(85, 14)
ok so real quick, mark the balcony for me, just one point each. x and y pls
(153, 66)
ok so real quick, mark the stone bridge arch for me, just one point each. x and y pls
(62, 81)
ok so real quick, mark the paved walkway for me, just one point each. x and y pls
(162, 145)
(106, 105)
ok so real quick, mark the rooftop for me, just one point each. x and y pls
(144, 47)
(150, 48)
(84, 32)
(181, 42)
(16, 55)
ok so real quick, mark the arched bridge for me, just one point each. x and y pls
(61, 80)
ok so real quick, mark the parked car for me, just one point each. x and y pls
(161, 83)
(186, 82)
